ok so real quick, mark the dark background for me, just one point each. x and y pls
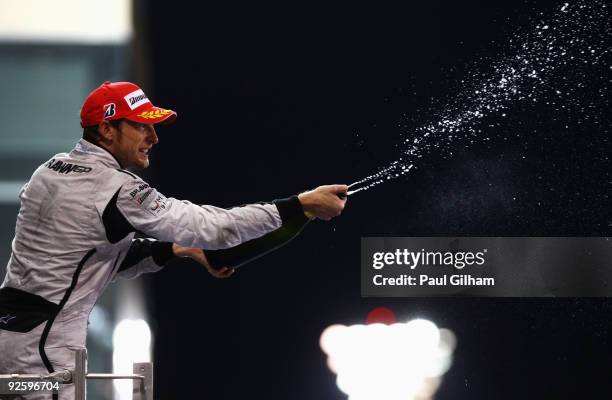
(278, 97)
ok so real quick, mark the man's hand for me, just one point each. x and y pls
(198, 254)
(324, 202)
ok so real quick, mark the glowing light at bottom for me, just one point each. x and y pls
(131, 343)
(401, 361)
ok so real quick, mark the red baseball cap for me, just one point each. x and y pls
(115, 100)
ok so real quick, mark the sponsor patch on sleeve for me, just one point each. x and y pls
(141, 193)
(147, 198)
(159, 204)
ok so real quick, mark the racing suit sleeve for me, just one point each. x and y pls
(143, 256)
(249, 251)
(207, 227)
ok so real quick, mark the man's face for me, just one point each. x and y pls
(132, 143)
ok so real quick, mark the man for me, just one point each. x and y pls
(80, 212)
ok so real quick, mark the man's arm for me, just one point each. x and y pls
(148, 211)
(150, 255)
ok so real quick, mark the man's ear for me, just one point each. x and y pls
(107, 132)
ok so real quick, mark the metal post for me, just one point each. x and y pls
(143, 388)
(79, 374)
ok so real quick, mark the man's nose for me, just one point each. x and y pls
(151, 134)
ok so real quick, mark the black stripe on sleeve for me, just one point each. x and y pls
(289, 208)
(162, 252)
(115, 224)
(142, 248)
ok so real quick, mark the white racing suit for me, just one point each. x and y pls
(75, 233)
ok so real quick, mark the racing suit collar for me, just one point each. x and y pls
(97, 152)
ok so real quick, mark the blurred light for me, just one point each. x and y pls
(401, 361)
(131, 343)
(79, 21)
(9, 191)
(100, 326)
(381, 315)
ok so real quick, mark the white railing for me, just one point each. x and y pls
(142, 377)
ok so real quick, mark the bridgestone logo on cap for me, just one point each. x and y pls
(136, 99)
(109, 110)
